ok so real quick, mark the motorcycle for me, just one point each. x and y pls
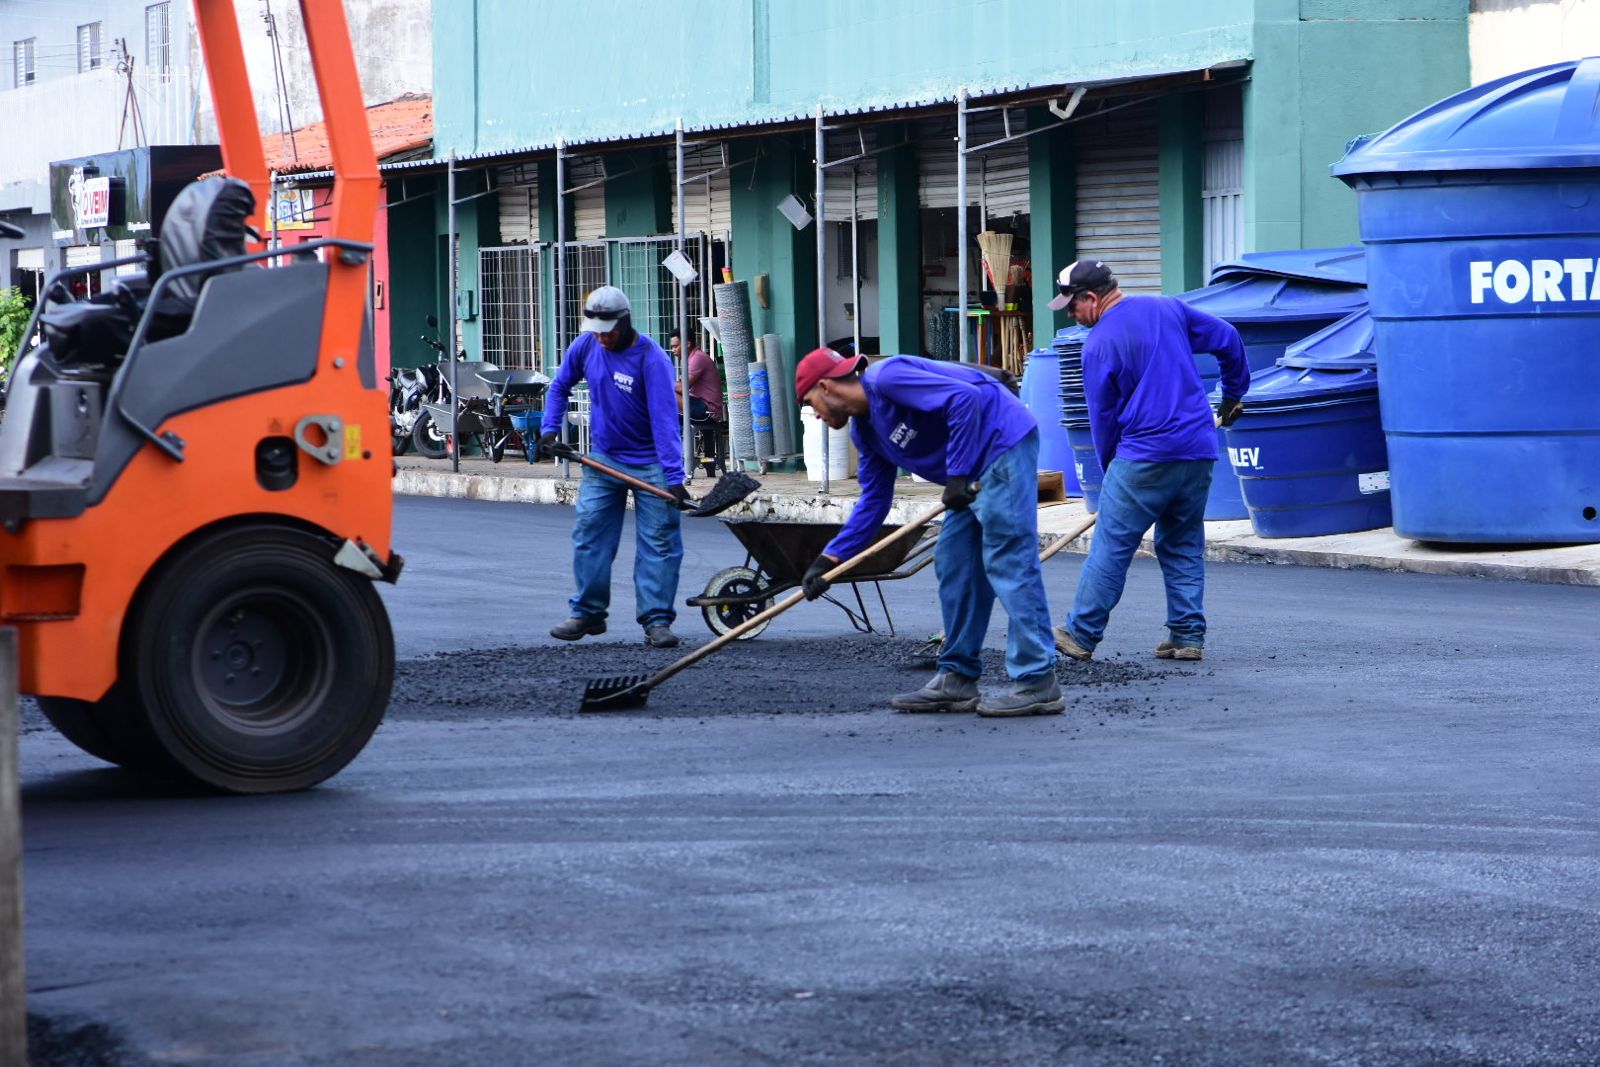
(409, 389)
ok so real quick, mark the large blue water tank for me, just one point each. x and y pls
(1271, 311)
(1041, 394)
(1481, 217)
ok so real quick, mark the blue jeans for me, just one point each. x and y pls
(992, 550)
(1133, 497)
(602, 500)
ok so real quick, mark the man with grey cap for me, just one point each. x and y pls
(633, 424)
(1156, 439)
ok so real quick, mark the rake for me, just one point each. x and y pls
(729, 490)
(631, 691)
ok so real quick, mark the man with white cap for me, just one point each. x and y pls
(633, 424)
(1156, 438)
(960, 427)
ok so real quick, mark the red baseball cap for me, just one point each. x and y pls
(823, 363)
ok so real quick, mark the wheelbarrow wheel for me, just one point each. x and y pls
(735, 582)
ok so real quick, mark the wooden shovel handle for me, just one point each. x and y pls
(625, 478)
(793, 598)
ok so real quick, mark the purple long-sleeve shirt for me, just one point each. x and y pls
(633, 409)
(937, 420)
(1146, 401)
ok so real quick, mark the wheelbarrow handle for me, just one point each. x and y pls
(627, 479)
(793, 598)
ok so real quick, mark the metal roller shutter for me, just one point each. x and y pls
(997, 179)
(519, 208)
(1119, 197)
(707, 204)
(1222, 192)
(841, 145)
(30, 259)
(589, 205)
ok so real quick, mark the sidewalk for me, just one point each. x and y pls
(791, 497)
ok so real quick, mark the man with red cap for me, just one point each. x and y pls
(962, 428)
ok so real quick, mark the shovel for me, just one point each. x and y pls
(729, 490)
(631, 691)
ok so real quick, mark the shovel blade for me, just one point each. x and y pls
(729, 490)
(615, 694)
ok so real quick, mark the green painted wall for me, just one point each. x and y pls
(1052, 203)
(413, 291)
(1181, 136)
(1324, 72)
(767, 59)
(764, 242)
(478, 224)
(639, 202)
(899, 246)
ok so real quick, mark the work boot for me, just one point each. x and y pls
(660, 636)
(1039, 697)
(1068, 645)
(946, 692)
(578, 626)
(1168, 650)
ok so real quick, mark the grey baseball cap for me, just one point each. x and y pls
(604, 307)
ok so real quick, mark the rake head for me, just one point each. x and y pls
(616, 694)
(729, 490)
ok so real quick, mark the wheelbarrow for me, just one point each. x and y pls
(776, 557)
(515, 407)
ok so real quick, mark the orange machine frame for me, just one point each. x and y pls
(68, 584)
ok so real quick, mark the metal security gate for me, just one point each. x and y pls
(1119, 196)
(1222, 190)
(512, 324)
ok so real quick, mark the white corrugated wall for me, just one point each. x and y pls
(589, 205)
(997, 179)
(707, 202)
(519, 208)
(1119, 196)
(836, 191)
(1222, 193)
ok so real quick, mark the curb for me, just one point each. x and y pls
(1574, 565)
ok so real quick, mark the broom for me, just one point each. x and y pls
(996, 248)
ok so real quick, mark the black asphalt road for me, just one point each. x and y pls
(1362, 831)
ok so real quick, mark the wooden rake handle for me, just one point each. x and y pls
(1067, 538)
(793, 598)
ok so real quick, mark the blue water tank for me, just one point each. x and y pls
(1350, 342)
(1481, 217)
(1271, 311)
(1086, 465)
(1041, 393)
(1341, 266)
(1309, 451)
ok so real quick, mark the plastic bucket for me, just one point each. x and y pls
(1041, 395)
(1086, 465)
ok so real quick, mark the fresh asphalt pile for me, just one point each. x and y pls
(765, 677)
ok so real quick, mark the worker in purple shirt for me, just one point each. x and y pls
(633, 424)
(1156, 437)
(962, 428)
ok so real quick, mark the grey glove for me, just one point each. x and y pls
(545, 449)
(679, 493)
(959, 493)
(814, 584)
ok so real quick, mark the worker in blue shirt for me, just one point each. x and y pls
(959, 427)
(633, 423)
(1156, 438)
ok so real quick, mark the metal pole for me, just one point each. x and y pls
(961, 223)
(683, 322)
(855, 259)
(561, 271)
(272, 220)
(13, 1011)
(455, 303)
(822, 280)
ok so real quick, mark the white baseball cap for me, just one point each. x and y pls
(604, 307)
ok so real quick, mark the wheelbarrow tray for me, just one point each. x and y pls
(783, 550)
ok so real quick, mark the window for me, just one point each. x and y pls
(22, 55)
(89, 47)
(157, 39)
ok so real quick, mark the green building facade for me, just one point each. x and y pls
(1158, 135)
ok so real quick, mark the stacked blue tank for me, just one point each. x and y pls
(1068, 347)
(1274, 299)
(1309, 449)
(1041, 396)
(1481, 218)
